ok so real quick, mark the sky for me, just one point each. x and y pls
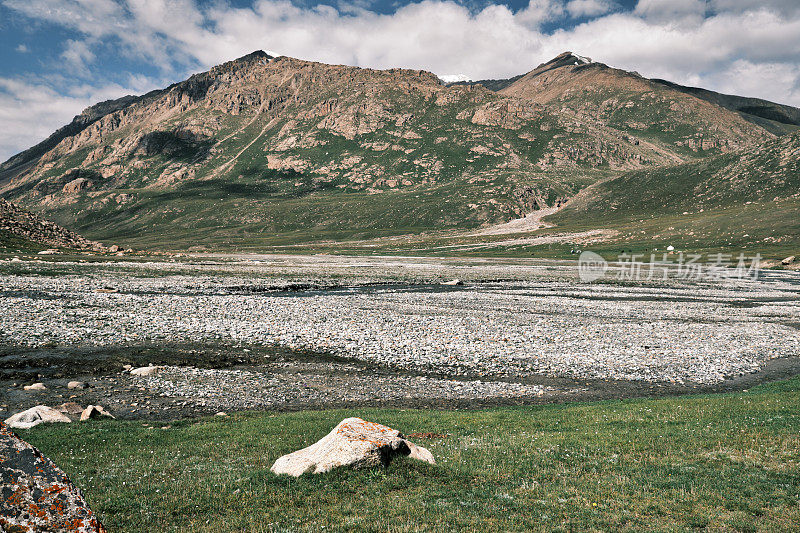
(59, 56)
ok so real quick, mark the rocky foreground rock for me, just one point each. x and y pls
(36, 495)
(355, 443)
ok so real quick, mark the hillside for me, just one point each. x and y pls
(20, 229)
(264, 150)
(776, 118)
(747, 199)
(542, 85)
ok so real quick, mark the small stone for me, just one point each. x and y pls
(77, 385)
(145, 371)
(35, 386)
(221, 413)
(93, 412)
(456, 282)
(788, 261)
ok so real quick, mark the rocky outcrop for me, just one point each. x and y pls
(36, 495)
(76, 185)
(33, 228)
(355, 443)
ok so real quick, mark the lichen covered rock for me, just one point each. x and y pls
(353, 442)
(36, 495)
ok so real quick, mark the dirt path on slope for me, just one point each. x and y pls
(530, 222)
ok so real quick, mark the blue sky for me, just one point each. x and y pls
(59, 56)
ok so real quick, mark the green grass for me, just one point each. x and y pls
(727, 462)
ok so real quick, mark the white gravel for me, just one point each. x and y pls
(680, 332)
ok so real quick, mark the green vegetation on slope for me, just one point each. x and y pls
(721, 462)
(742, 201)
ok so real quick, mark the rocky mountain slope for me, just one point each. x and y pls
(748, 199)
(265, 150)
(766, 173)
(19, 226)
(776, 118)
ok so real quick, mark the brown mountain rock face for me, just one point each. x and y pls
(626, 101)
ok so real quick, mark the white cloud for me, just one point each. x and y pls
(727, 45)
(773, 81)
(453, 78)
(667, 11)
(784, 7)
(22, 48)
(539, 11)
(30, 110)
(588, 8)
(78, 54)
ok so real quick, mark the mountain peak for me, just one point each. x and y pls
(563, 59)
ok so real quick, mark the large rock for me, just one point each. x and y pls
(35, 416)
(353, 442)
(36, 495)
(788, 261)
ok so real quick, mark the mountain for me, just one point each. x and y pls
(766, 173)
(563, 73)
(275, 150)
(21, 162)
(23, 230)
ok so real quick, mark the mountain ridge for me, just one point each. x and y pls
(268, 138)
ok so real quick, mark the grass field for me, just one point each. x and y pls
(727, 462)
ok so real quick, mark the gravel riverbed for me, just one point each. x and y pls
(510, 320)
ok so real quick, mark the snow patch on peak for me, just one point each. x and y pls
(583, 59)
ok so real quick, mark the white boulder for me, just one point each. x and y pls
(353, 442)
(35, 386)
(145, 371)
(35, 416)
